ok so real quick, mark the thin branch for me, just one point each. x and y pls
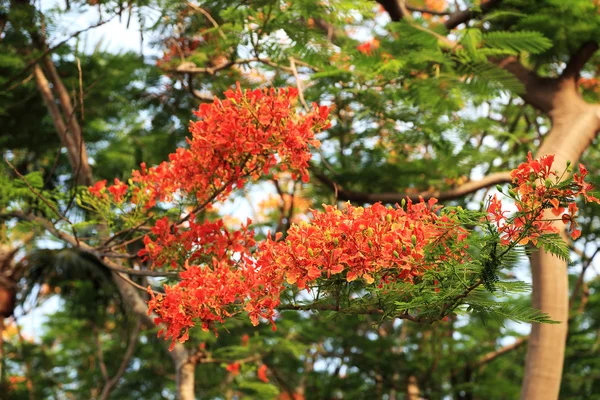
(299, 84)
(191, 68)
(132, 283)
(100, 355)
(389, 197)
(36, 193)
(461, 17)
(137, 272)
(489, 357)
(49, 50)
(427, 11)
(73, 241)
(112, 382)
(335, 308)
(209, 98)
(209, 17)
(580, 280)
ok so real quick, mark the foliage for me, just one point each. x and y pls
(410, 114)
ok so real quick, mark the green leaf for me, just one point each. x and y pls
(532, 42)
(519, 313)
(259, 390)
(555, 245)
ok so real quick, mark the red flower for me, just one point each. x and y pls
(262, 373)
(233, 368)
(98, 188)
(118, 190)
(368, 47)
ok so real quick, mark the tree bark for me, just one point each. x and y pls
(73, 153)
(574, 126)
(412, 389)
(184, 368)
(81, 169)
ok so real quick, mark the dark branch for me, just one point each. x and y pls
(426, 11)
(461, 17)
(460, 191)
(392, 7)
(579, 59)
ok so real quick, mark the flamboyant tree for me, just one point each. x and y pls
(414, 261)
(398, 89)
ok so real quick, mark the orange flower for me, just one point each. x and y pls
(262, 373)
(368, 47)
(233, 368)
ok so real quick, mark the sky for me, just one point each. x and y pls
(113, 36)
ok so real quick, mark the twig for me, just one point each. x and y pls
(112, 382)
(209, 17)
(132, 283)
(137, 272)
(299, 84)
(50, 50)
(37, 194)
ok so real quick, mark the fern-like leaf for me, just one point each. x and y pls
(554, 244)
(532, 42)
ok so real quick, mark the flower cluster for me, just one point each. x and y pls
(375, 243)
(537, 187)
(384, 242)
(196, 242)
(117, 191)
(248, 134)
(235, 139)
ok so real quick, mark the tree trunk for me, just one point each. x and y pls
(574, 126)
(185, 381)
(184, 368)
(412, 389)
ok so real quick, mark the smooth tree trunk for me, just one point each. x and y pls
(574, 126)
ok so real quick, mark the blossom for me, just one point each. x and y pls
(233, 368)
(261, 373)
(536, 186)
(234, 140)
(118, 190)
(368, 47)
(98, 189)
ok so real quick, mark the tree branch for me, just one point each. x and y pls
(393, 8)
(460, 191)
(50, 50)
(427, 11)
(461, 17)
(112, 382)
(131, 297)
(191, 68)
(579, 59)
(489, 357)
